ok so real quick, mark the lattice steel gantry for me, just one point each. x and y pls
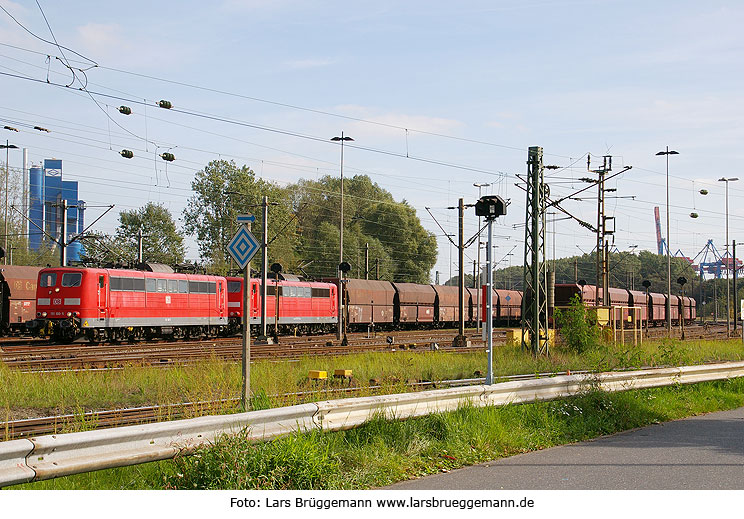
(535, 300)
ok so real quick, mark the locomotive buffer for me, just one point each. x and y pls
(242, 248)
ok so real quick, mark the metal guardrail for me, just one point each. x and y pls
(51, 456)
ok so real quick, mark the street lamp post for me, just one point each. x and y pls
(669, 260)
(7, 146)
(339, 333)
(728, 287)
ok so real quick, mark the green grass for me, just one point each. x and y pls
(382, 452)
(31, 394)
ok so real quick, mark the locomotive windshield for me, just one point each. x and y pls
(71, 279)
(48, 279)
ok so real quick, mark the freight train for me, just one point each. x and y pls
(129, 305)
(651, 306)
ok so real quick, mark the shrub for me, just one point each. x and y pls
(577, 326)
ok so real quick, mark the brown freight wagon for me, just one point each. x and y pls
(447, 304)
(17, 297)
(674, 306)
(369, 302)
(413, 304)
(690, 308)
(471, 302)
(656, 309)
(565, 291)
(509, 306)
(639, 299)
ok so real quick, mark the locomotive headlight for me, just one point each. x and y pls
(43, 314)
(74, 314)
(69, 314)
(56, 289)
(38, 314)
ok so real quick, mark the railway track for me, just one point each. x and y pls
(51, 357)
(45, 356)
(59, 424)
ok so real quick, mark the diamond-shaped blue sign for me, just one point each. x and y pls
(508, 297)
(243, 246)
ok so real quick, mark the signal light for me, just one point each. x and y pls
(125, 110)
(127, 154)
(168, 156)
(165, 104)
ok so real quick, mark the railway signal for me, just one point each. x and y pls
(242, 248)
(490, 207)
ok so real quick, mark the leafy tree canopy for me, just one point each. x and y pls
(397, 242)
(222, 190)
(161, 242)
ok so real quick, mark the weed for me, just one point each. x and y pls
(577, 326)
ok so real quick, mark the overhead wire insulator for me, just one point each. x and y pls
(165, 104)
(41, 129)
(703, 191)
(693, 215)
(125, 110)
(168, 156)
(127, 154)
(10, 128)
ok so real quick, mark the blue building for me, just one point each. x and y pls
(47, 190)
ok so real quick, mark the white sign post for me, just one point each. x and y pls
(242, 248)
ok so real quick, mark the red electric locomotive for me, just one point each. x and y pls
(115, 305)
(304, 306)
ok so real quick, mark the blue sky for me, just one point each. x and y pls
(575, 77)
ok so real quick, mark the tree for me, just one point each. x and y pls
(223, 190)
(161, 242)
(396, 239)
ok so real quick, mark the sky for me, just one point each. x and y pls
(436, 95)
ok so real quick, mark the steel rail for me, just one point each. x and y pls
(27, 427)
(51, 456)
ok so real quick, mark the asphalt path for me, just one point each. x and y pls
(702, 453)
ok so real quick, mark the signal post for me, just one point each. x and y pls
(242, 248)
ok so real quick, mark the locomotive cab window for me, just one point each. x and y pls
(233, 286)
(48, 280)
(321, 292)
(71, 279)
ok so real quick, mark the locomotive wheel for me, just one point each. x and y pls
(94, 336)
